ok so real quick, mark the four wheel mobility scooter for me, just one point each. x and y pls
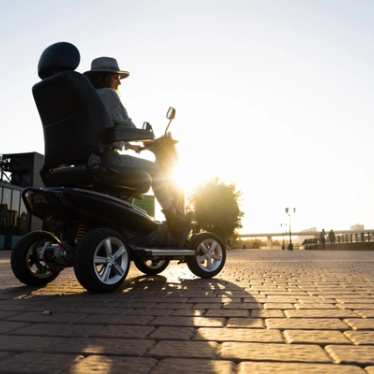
(89, 220)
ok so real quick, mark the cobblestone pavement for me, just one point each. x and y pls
(267, 312)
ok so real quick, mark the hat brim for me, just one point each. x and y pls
(122, 73)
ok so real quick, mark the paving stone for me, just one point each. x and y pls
(173, 306)
(208, 306)
(39, 363)
(285, 293)
(241, 335)
(360, 337)
(306, 323)
(114, 319)
(147, 312)
(74, 345)
(356, 299)
(182, 312)
(360, 323)
(245, 322)
(356, 306)
(268, 313)
(324, 313)
(256, 301)
(48, 318)
(227, 313)
(365, 313)
(194, 366)
(315, 306)
(184, 349)
(183, 333)
(241, 306)
(6, 326)
(273, 352)
(347, 354)
(7, 314)
(278, 306)
(5, 355)
(327, 300)
(115, 331)
(296, 368)
(113, 365)
(282, 299)
(315, 336)
(252, 305)
(315, 300)
(205, 300)
(169, 299)
(188, 321)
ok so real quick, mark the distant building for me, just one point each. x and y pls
(17, 171)
(312, 229)
(357, 227)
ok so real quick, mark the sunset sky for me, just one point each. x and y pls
(275, 96)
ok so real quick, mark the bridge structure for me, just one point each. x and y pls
(342, 236)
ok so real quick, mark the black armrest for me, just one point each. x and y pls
(121, 133)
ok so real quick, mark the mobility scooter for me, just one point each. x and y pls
(89, 220)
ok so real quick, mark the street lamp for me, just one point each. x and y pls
(289, 212)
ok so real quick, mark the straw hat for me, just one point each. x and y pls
(107, 65)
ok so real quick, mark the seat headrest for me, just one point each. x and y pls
(58, 57)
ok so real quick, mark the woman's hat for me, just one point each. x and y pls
(107, 65)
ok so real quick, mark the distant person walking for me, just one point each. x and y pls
(322, 239)
(331, 237)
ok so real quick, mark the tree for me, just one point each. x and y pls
(216, 208)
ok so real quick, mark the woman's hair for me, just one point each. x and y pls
(100, 79)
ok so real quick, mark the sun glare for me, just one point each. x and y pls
(188, 178)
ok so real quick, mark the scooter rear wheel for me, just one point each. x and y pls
(210, 255)
(151, 267)
(27, 261)
(102, 260)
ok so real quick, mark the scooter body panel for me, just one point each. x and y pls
(74, 204)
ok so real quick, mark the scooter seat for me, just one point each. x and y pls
(82, 176)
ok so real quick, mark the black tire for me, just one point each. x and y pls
(24, 258)
(193, 261)
(89, 272)
(142, 266)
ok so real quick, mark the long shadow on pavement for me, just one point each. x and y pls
(153, 324)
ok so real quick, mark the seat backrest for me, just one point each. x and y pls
(72, 114)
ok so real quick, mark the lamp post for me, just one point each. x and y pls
(289, 212)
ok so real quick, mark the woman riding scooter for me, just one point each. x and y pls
(106, 76)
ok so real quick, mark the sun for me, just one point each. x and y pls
(188, 178)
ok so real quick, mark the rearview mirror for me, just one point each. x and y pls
(170, 113)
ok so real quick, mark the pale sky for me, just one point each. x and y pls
(272, 95)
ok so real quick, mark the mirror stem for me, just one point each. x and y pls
(167, 127)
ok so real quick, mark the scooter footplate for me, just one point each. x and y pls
(169, 252)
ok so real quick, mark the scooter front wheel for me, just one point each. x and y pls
(102, 260)
(151, 267)
(210, 255)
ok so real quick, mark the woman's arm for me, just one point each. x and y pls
(115, 108)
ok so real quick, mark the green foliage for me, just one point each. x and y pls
(216, 208)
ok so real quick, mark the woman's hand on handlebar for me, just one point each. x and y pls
(134, 147)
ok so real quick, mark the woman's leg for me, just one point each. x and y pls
(160, 183)
(164, 189)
